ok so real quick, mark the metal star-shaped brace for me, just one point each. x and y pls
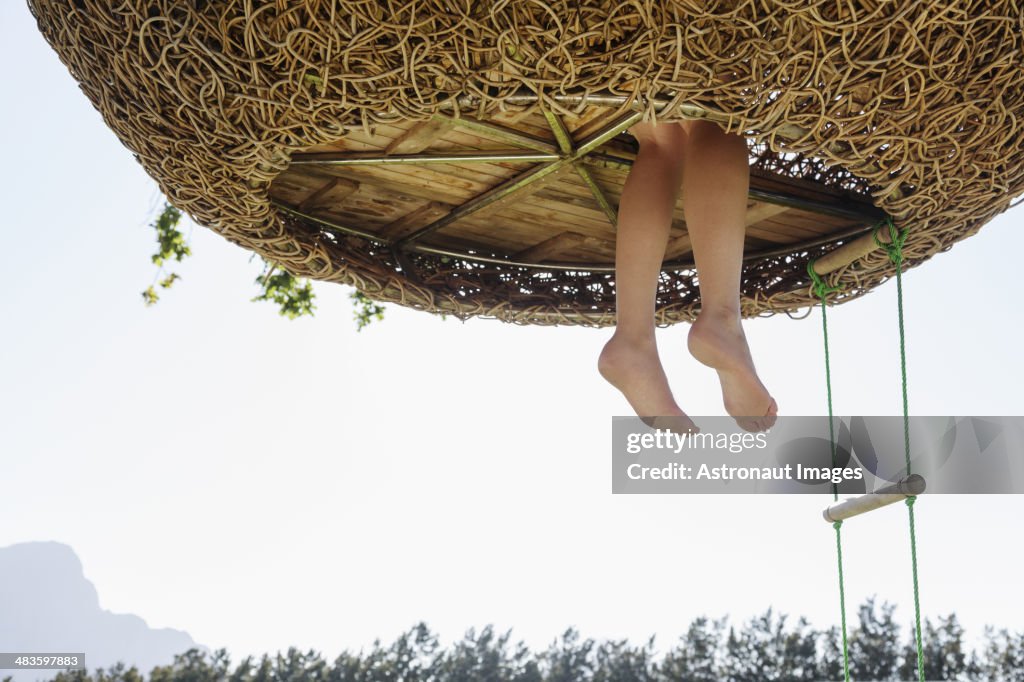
(550, 158)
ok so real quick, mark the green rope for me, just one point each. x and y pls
(917, 597)
(842, 599)
(822, 290)
(895, 250)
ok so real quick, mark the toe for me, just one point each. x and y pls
(758, 424)
(677, 424)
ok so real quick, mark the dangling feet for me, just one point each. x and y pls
(716, 339)
(633, 367)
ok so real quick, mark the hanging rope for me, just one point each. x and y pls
(822, 290)
(842, 599)
(895, 250)
(917, 597)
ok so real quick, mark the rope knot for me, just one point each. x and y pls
(838, 524)
(819, 286)
(894, 247)
(911, 499)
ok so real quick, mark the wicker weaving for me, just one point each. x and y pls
(309, 132)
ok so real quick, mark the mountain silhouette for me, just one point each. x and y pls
(47, 605)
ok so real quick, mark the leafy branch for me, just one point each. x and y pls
(294, 296)
(366, 309)
(170, 245)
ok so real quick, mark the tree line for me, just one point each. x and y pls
(769, 647)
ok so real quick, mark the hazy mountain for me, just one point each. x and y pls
(47, 605)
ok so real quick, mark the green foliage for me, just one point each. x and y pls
(944, 656)
(766, 650)
(763, 649)
(149, 296)
(831, 662)
(170, 246)
(169, 238)
(1002, 658)
(170, 279)
(487, 656)
(620, 661)
(874, 643)
(366, 309)
(295, 297)
(693, 659)
(116, 673)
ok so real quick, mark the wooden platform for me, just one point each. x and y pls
(538, 190)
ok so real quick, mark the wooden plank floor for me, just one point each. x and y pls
(555, 219)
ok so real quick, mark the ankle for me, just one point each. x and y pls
(630, 339)
(720, 313)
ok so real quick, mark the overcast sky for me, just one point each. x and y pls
(263, 483)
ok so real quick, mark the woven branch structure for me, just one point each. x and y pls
(917, 106)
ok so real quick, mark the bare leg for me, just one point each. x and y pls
(715, 184)
(629, 361)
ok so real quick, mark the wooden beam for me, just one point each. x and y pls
(503, 201)
(911, 486)
(600, 197)
(335, 190)
(415, 219)
(760, 210)
(677, 246)
(555, 246)
(377, 158)
(507, 135)
(513, 186)
(849, 252)
(420, 136)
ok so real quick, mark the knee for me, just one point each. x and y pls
(709, 132)
(666, 136)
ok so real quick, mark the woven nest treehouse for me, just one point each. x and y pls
(466, 157)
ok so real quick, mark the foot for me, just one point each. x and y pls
(717, 340)
(634, 368)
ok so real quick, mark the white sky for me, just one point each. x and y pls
(263, 483)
